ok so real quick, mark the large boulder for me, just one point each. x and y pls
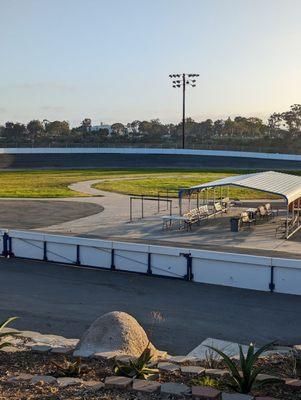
(115, 333)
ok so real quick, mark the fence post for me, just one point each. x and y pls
(113, 260)
(5, 244)
(189, 275)
(149, 264)
(45, 252)
(272, 284)
(77, 254)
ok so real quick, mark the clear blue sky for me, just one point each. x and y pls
(110, 59)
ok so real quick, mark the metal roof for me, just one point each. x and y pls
(285, 185)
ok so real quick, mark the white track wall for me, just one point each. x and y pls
(128, 150)
(228, 269)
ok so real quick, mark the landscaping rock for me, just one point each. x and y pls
(236, 396)
(61, 350)
(43, 379)
(118, 382)
(216, 373)
(125, 359)
(206, 393)
(141, 385)
(64, 382)
(116, 332)
(294, 383)
(93, 385)
(262, 377)
(229, 348)
(169, 367)
(41, 348)
(180, 359)
(174, 389)
(105, 355)
(20, 377)
(193, 370)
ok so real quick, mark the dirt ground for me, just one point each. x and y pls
(30, 214)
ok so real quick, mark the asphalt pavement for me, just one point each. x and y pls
(58, 299)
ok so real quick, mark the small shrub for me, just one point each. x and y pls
(245, 381)
(139, 369)
(205, 381)
(68, 368)
(212, 360)
(5, 334)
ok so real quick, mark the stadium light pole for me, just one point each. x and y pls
(181, 81)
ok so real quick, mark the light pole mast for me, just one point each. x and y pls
(186, 79)
(183, 119)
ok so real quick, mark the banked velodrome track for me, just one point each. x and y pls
(44, 158)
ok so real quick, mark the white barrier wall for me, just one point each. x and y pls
(219, 268)
(126, 150)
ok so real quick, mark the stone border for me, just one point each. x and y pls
(37, 342)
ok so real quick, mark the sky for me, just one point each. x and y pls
(109, 60)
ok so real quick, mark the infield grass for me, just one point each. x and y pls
(54, 183)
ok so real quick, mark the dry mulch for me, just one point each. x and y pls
(97, 370)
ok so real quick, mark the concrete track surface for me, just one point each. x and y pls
(64, 300)
(77, 161)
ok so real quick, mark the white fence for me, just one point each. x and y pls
(128, 150)
(228, 269)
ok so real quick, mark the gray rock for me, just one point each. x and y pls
(118, 382)
(229, 348)
(43, 379)
(93, 385)
(216, 373)
(168, 367)
(191, 369)
(64, 382)
(20, 377)
(115, 332)
(40, 348)
(61, 350)
(236, 396)
(175, 389)
(143, 386)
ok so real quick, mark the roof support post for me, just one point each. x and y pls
(287, 212)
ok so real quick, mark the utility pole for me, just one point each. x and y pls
(185, 79)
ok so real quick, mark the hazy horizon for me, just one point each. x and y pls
(71, 59)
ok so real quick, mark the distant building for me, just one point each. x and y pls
(101, 126)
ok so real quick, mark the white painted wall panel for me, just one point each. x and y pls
(96, 257)
(28, 248)
(131, 261)
(227, 273)
(64, 253)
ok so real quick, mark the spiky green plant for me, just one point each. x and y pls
(5, 334)
(243, 378)
(68, 368)
(205, 381)
(139, 369)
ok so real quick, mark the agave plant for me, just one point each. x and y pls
(243, 378)
(68, 368)
(5, 334)
(139, 369)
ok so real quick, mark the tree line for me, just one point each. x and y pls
(282, 132)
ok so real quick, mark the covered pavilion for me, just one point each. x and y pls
(286, 186)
